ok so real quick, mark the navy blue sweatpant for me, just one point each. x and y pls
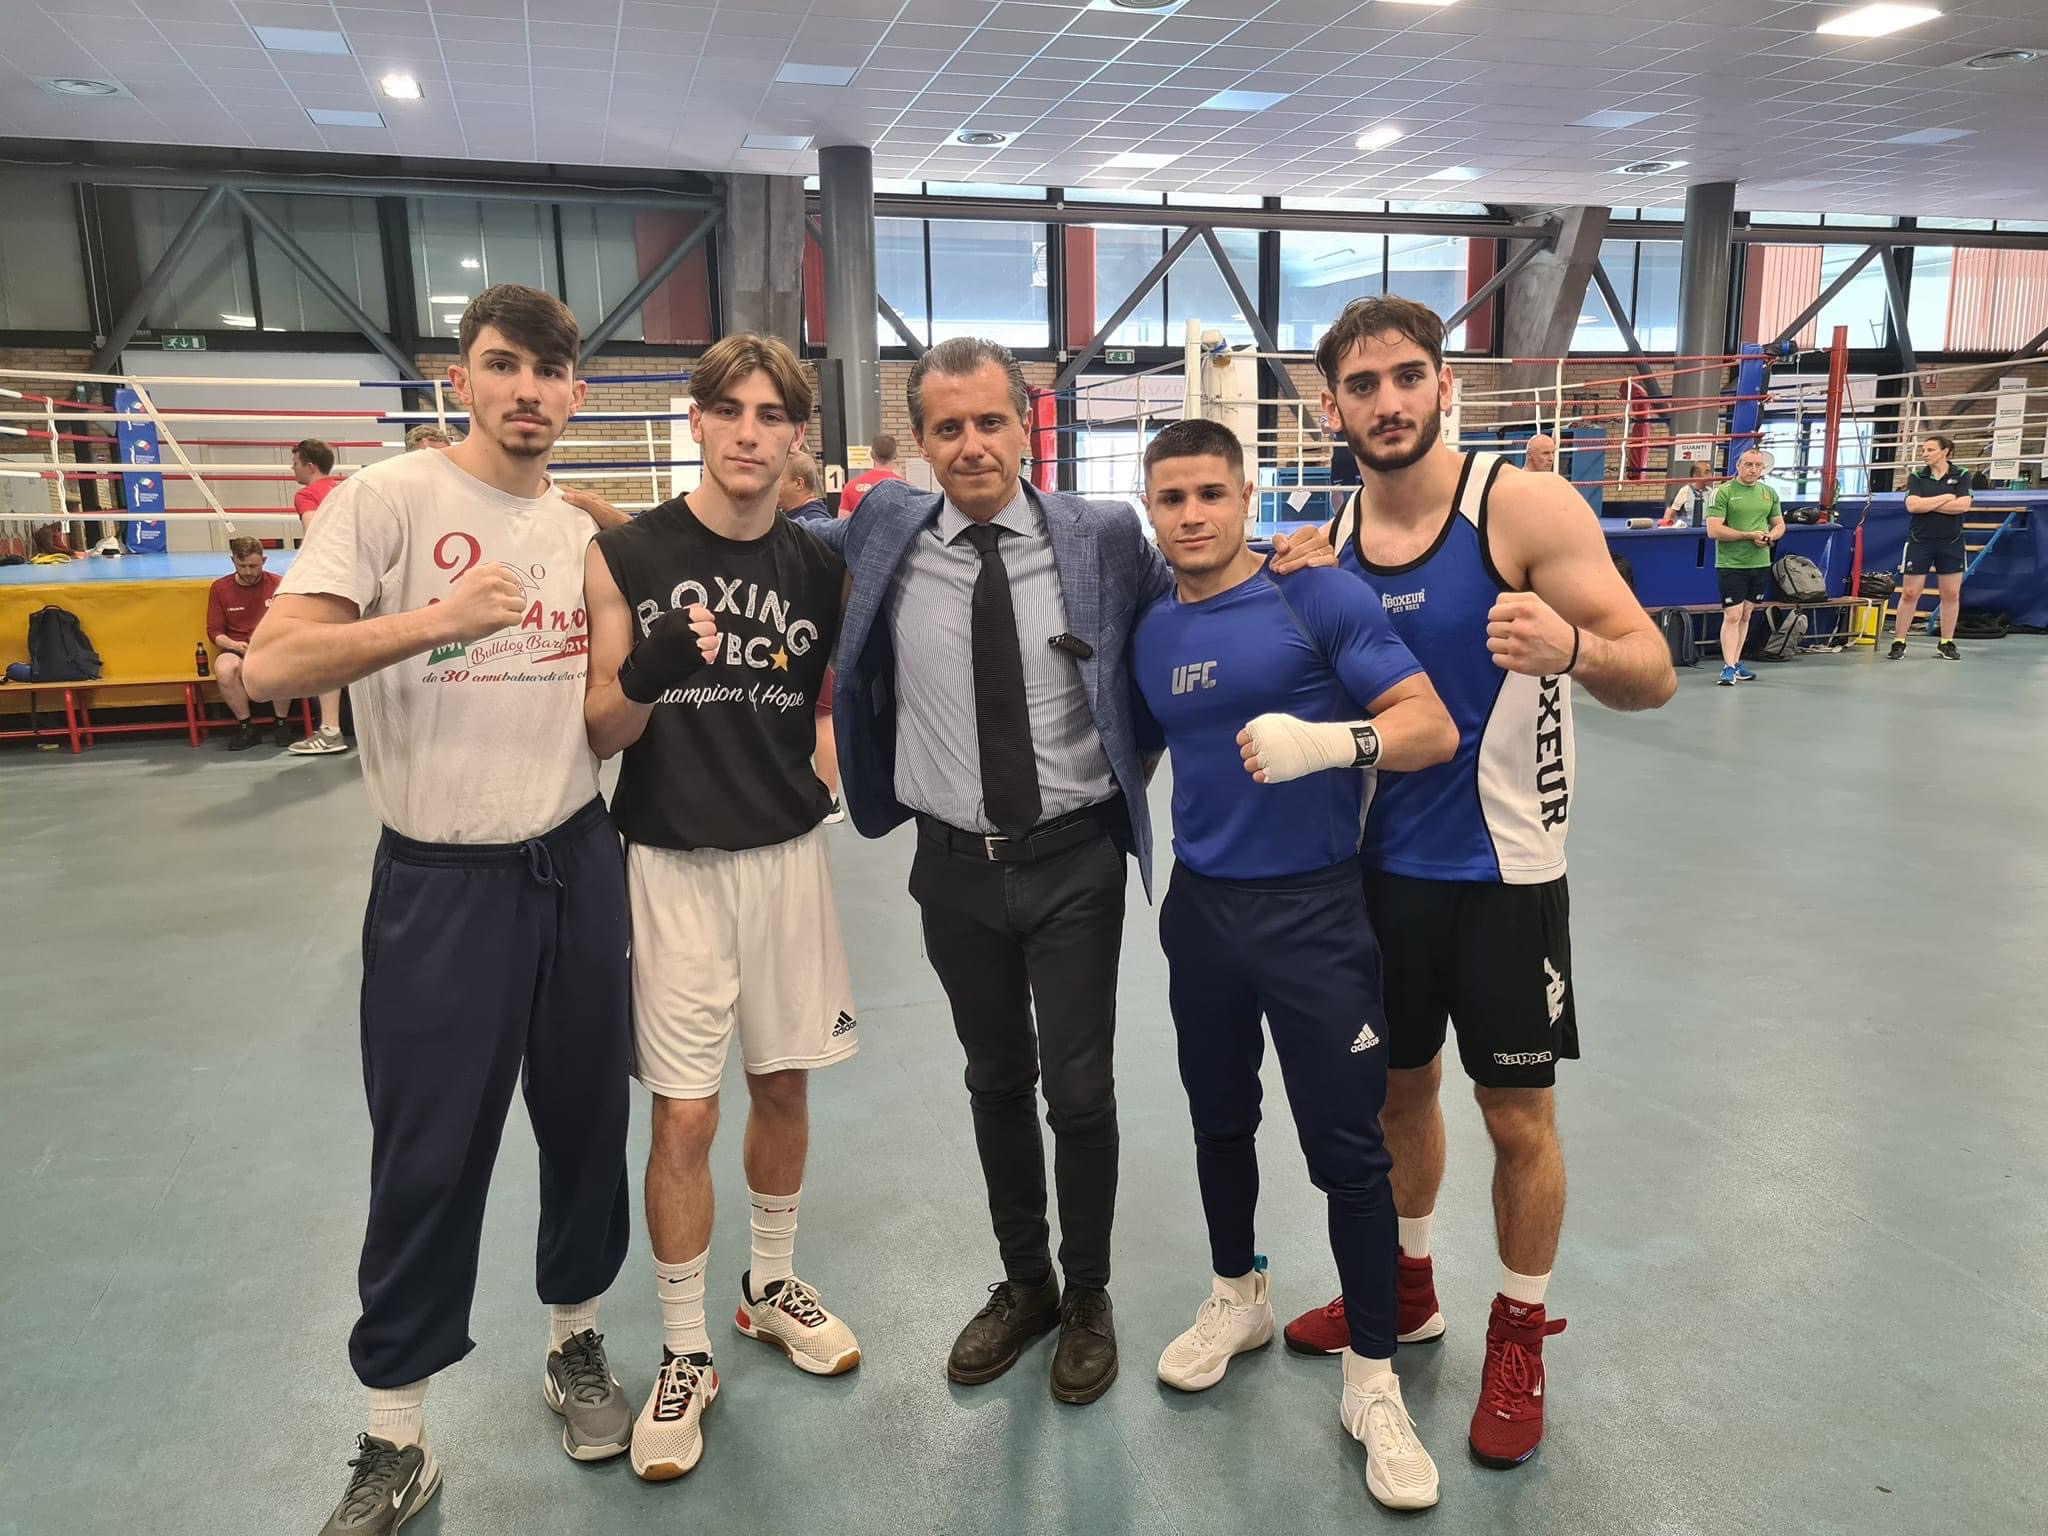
(1299, 950)
(483, 965)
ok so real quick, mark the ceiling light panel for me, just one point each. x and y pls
(1876, 20)
(300, 40)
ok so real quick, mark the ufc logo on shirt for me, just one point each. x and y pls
(1196, 674)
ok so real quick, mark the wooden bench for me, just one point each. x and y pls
(1845, 605)
(80, 729)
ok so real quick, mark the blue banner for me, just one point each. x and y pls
(145, 492)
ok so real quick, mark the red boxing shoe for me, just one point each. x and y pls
(1417, 1318)
(1507, 1426)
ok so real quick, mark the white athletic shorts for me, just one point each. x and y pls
(747, 940)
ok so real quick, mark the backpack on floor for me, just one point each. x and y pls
(1799, 580)
(1676, 625)
(58, 650)
(1787, 639)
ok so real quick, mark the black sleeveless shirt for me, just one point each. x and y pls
(725, 761)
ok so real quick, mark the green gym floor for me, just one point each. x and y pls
(1805, 1265)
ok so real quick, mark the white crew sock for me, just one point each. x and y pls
(398, 1414)
(1527, 1289)
(1415, 1234)
(1242, 1289)
(1364, 1372)
(565, 1321)
(681, 1287)
(774, 1224)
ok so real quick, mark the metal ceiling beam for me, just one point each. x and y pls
(643, 290)
(1023, 210)
(1894, 264)
(329, 289)
(159, 279)
(625, 196)
(1250, 311)
(1808, 234)
(1637, 356)
(1528, 253)
(1826, 298)
(1146, 284)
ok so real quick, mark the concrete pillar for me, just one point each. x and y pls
(1704, 265)
(846, 198)
(763, 256)
(1544, 301)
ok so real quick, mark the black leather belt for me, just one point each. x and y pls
(1055, 836)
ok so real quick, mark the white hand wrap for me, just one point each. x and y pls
(1286, 748)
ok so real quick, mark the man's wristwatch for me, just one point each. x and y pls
(1366, 742)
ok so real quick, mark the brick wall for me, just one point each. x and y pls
(25, 498)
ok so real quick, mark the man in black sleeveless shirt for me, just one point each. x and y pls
(711, 619)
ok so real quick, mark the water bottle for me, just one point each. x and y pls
(199, 658)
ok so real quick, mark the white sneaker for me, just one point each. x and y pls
(668, 1437)
(837, 814)
(1398, 1471)
(1224, 1326)
(791, 1318)
(323, 741)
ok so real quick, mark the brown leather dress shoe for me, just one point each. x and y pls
(1085, 1363)
(1015, 1315)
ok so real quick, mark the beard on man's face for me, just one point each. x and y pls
(1375, 454)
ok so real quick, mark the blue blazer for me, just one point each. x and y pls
(1108, 572)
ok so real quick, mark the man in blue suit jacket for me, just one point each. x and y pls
(983, 689)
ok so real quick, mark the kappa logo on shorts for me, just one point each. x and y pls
(1366, 1040)
(1553, 992)
(844, 1025)
(1522, 1058)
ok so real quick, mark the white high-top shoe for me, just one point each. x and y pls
(1398, 1471)
(1225, 1325)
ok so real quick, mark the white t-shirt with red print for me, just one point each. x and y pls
(477, 743)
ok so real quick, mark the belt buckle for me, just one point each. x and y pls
(988, 845)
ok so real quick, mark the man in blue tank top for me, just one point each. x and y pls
(1265, 914)
(1501, 584)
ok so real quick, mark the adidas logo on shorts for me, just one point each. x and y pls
(844, 1025)
(1366, 1040)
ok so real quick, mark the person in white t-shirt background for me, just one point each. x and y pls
(446, 590)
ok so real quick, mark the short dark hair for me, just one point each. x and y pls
(883, 449)
(316, 453)
(959, 357)
(241, 546)
(1701, 467)
(535, 320)
(717, 371)
(1196, 438)
(1948, 444)
(1376, 316)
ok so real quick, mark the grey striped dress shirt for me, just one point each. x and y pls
(938, 755)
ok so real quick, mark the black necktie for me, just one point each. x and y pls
(1002, 721)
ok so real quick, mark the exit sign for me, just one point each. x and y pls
(1119, 355)
(178, 343)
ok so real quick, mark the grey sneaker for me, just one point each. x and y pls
(597, 1421)
(328, 739)
(386, 1487)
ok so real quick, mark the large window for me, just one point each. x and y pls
(899, 277)
(42, 279)
(1965, 300)
(988, 279)
(340, 235)
(1784, 279)
(601, 262)
(1321, 270)
(460, 247)
(1644, 274)
(211, 288)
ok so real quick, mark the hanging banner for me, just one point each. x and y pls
(145, 492)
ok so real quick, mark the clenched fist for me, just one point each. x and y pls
(677, 644)
(485, 599)
(1525, 635)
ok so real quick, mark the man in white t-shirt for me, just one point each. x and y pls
(446, 590)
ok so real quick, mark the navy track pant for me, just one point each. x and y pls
(1300, 951)
(485, 967)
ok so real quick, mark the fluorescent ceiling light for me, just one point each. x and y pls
(1453, 173)
(470, 264)
(1931, 136)
(1613, 119)
(400, 87)
(338, 117)
(1378, 138)
(1876, 20)
(448, 298)
(817, 74)
(1243, 101)
(300, 40)
(1138, 160)
(240, 322)
(790, 142)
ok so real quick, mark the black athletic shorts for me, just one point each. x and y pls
(1494, 959)
(1743, 583)
(1934, 557)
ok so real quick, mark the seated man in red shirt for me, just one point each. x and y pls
(313, 468)
(882, 451)
(233, 608)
